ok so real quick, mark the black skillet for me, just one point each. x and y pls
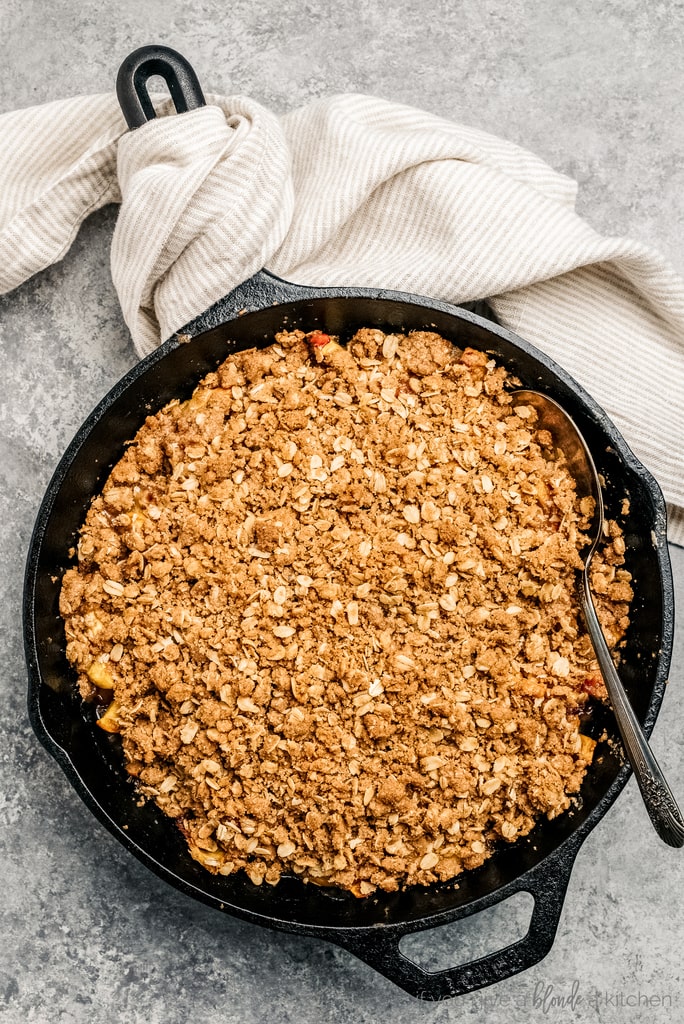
(371, 928)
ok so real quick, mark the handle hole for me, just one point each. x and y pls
(157, 84)
(450, 945)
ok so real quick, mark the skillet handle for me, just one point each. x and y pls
(141, 65)
(380, 947)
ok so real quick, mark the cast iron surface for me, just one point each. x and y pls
(371, 928)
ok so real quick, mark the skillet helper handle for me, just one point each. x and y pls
(380, 947)
(139, 67)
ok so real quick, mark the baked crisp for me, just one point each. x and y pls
(330, 605)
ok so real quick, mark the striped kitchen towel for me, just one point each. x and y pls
(358, 191)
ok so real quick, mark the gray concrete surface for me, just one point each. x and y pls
(86, 933)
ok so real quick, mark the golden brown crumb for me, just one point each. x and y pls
(332, 600)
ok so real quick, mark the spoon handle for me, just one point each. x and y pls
(660, 803)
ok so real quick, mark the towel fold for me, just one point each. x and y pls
(358, 191)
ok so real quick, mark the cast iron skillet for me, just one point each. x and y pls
(371, 928)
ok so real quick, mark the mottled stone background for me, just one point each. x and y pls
(86, 933)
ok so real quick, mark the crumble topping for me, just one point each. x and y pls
(329, 604)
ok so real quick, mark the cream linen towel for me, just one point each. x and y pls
(358, 191)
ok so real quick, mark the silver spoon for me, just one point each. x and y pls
(660, 803)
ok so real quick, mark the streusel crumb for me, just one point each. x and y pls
(330, 605)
